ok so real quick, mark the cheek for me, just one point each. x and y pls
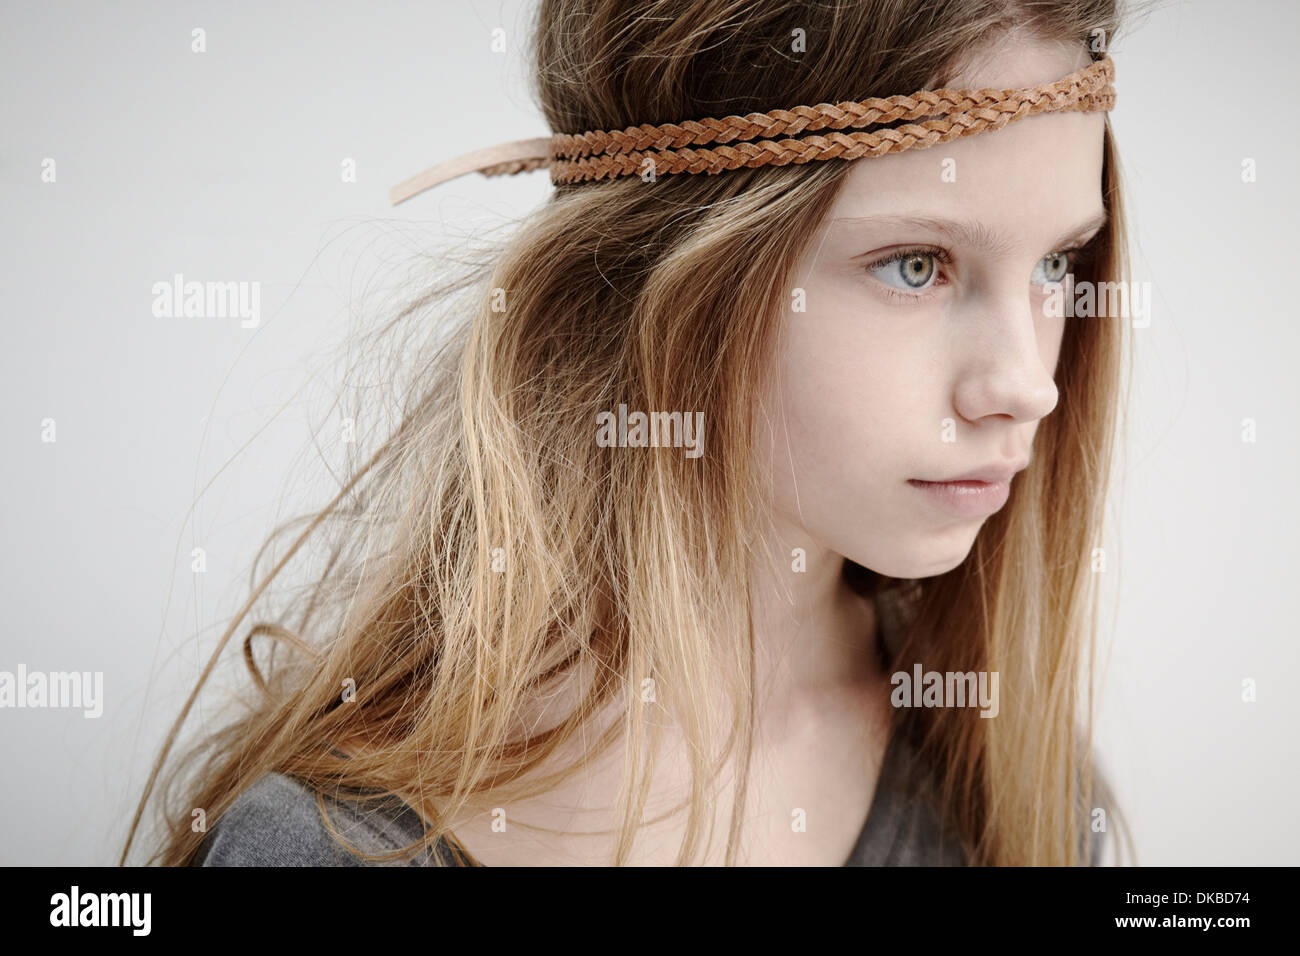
(1051, 331)
(848, 397)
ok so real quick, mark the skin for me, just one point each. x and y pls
(865, 379)
(861, 384)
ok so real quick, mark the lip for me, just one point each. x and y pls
(979, 492)
(998, 471)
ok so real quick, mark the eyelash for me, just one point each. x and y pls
(940, 255)
(1079, 256)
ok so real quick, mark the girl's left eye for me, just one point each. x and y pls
(1052, 268)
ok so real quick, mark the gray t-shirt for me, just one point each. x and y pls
(277, 821)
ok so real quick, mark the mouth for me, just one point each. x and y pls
(966, 497)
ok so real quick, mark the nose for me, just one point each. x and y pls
(1010, 357)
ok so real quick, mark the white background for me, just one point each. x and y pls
(225, 165)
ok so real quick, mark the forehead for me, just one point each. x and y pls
(1042, 170)
(1017, 59)
(1040, 161)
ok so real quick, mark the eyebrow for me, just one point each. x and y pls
(976, 234)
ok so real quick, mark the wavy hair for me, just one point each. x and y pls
(489, 550)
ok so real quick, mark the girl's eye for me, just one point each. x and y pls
(1051, 268)
(909, 271)
(913, 271)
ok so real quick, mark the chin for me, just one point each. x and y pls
(924, 558)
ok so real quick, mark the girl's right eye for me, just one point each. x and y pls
(911, 270)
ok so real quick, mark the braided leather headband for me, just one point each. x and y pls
(749, 141)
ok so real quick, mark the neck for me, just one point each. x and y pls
(812, 633)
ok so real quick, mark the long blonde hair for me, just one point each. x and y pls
(489, 546)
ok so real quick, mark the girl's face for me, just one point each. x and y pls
(924, 351)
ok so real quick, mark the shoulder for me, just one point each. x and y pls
(277, 821)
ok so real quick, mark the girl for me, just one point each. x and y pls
(736, 518)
